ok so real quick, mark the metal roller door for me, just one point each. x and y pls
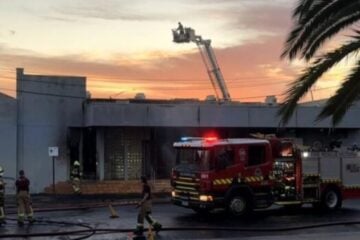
(124, 153)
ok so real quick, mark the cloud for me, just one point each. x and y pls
(254, 69)
(264, 18)
(108, 10)
(60, 19)
(6, 33)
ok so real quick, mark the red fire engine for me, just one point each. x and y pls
(245, 174)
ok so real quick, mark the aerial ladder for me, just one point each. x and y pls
(186, 35)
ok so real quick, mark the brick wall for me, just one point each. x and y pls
(110, 187)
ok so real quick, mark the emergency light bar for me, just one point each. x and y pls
(208, 139)
(185, 139)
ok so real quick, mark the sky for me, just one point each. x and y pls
(125, 47)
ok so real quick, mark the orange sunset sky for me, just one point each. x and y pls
(125, 47)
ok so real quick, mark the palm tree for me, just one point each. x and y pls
(316, 22)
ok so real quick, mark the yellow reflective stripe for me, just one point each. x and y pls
(185, 188)
(222, 181)
(187, 192)
(186, 183)
(185, 178)
(331, 180)
(311, 175)
(226, 181)
(254, 179)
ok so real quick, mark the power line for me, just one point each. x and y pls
(192, 87)
(78, 97)
(153, 78)
(109, 79)
(115, 79)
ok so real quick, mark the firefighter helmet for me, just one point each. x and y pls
(76, 163)
(1, 171)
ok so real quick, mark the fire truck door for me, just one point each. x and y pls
(256, 166)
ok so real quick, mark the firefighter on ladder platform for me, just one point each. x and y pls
(180, 29)
(2, 197)
(23, 199)
(75, 177)
(145, 209)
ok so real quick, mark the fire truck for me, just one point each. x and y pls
(243, 174)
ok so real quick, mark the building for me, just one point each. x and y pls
(120, 139)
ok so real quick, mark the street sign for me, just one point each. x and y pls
(53, 151)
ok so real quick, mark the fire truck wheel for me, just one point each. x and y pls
(239, 205)
(331, 199)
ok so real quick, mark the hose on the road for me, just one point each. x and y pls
(91, 231)
(88, 231)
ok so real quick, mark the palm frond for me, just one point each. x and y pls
(345, 96)
(305, 12)
(315, 7)
(289, 42)
(312, 21)
(302, 7)
(301, 86)
(328, 30)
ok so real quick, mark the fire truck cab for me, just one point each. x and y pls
(244, 174)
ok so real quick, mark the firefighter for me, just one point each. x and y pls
(180, 28)
(145, 209)
(75, 177)
(23, 199)
(2, 197)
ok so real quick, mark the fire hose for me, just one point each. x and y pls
(89, 231)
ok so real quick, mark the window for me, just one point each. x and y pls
(195, 157)
(256, 155)
(224, 157)
(287, 149)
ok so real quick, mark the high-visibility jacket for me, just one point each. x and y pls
(75, 172)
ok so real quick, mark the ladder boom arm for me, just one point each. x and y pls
(215, 70)
(187, 35)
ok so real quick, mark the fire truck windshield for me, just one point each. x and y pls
(196, 158)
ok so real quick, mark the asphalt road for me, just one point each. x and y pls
(264, 224)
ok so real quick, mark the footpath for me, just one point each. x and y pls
(94, 194)
(44, 202)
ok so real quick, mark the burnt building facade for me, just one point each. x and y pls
(121, 139)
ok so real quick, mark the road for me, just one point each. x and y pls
(170, 216)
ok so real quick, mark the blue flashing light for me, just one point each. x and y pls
(184, 139)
